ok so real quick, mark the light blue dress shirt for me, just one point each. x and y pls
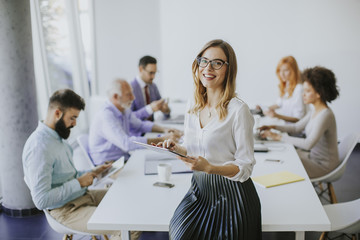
(49, 169)
(111, 133)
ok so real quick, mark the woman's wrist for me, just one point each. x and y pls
(209, 169)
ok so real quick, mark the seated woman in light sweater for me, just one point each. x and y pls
(318, 151)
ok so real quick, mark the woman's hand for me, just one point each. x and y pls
(266, 127)
(169, 144)
(197, 163)
(270, 113)
(172, 146)
(269, 134)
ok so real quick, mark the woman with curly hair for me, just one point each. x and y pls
(318, 151)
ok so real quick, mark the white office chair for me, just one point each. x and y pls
(60, 228)
(346, 146)
(83, 141)
(344, 218)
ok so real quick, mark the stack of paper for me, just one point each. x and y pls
(276, 179)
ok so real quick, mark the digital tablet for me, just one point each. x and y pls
(159, 149)
(115, 166)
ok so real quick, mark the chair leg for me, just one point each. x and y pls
(67, 237)
(320, 186)
(353, 237)
(105, 237)
(332, 193)
(323, 236)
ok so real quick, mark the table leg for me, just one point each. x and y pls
(125, 235)
(299, 235)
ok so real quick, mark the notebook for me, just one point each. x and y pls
(276, 179)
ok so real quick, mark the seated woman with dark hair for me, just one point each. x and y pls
(318, 151)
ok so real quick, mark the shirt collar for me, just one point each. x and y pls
(115, 110)
(140, 82)
(43, 127)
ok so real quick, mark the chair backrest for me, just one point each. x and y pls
(60, 228)
(95, 104)
(83, 141)
(345, 147)
(344, 217)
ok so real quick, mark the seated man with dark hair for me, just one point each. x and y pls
(115, 126)
(147, 96)
(49, 170)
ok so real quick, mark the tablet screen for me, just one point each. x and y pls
(158, 149)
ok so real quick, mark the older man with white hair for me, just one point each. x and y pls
(111, 133)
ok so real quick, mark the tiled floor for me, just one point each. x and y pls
(37, 228)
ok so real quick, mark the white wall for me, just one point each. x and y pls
(125, 31)
(323, 32)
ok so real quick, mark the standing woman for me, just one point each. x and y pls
(318, 151)
(222, 202)
(289, 106)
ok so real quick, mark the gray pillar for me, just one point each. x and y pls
(18, 109)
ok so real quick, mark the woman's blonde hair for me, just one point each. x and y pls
(295, 75)
(229, 84)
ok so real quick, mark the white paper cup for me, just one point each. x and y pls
(164, 172)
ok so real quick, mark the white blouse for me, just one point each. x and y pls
(229, 141)
(293, 106)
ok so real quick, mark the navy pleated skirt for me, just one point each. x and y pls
(217, 208)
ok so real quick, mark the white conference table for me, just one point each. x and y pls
(133, 203)
(290, 207)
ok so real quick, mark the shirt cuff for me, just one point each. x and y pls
(147, 126)
(149, 109)
(241, 176)
(75, 185)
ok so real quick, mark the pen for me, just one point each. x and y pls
(273, 160)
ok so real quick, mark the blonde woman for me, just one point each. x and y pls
(289, 106)
(222, 202)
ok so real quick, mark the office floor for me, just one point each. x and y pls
(37, 228)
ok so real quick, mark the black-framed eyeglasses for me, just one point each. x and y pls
(215, 63)
(151, 73)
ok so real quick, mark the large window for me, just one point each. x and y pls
(57, 43)
(62, 49)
